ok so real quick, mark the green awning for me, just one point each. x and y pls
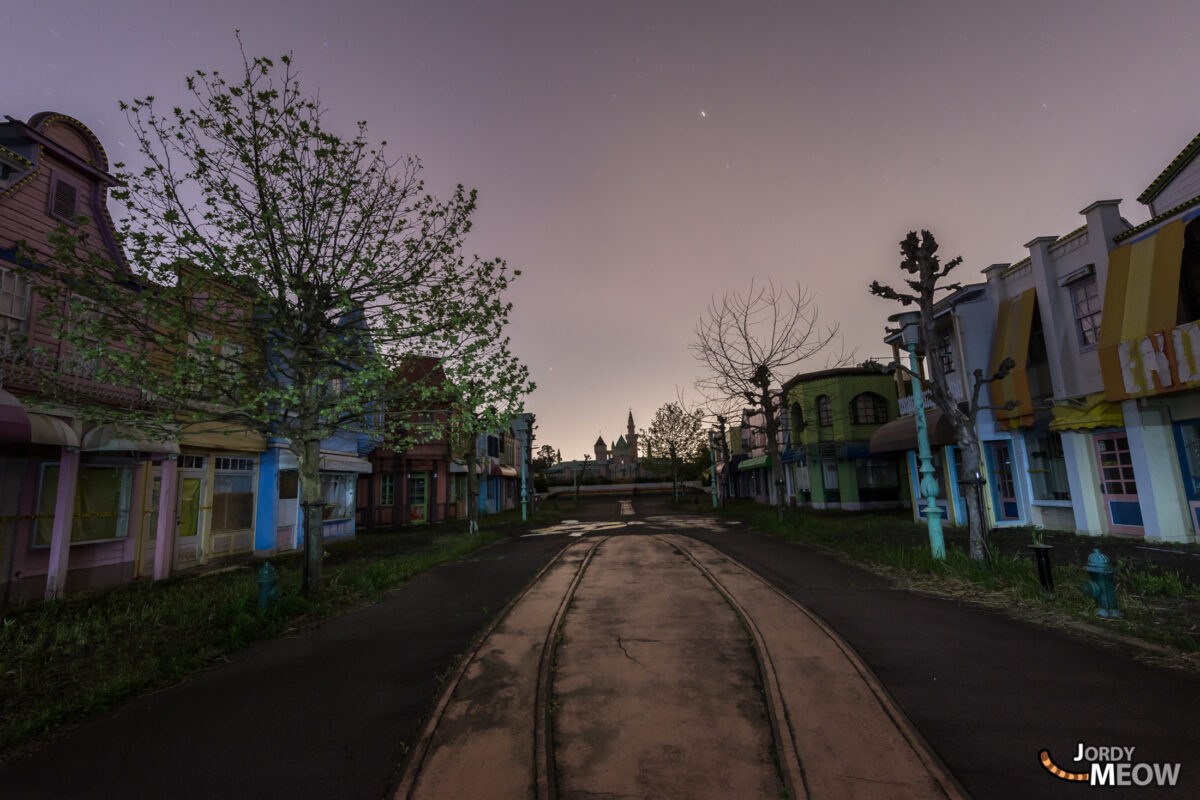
(755, 463)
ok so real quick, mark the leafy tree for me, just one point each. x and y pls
(278, 273)
(920, 259)
(545, 459)
(749, 344)
(482, 400)
(674, 437)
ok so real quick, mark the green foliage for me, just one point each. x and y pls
(65, 659)
(673, 439)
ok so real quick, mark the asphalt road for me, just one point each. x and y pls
(330, 713)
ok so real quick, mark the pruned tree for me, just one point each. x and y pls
(920, 260)
(580, 474)
(749, 345)
(278, 274)
(674, 437)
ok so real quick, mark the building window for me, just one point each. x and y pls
(338, 493)
(101, 504)
(1085, 299)
(191, 462)
(797, 421)
(233, 494)
(946, 354)
(824, 411)
(64, 198)
(387, 489)
(14, 302)
(1189, 275)
(1048, 467)
(868, 409)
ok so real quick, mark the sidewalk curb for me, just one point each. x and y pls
(411, 766)
(942, 775)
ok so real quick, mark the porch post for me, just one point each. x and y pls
(64, 515)
(164, 542)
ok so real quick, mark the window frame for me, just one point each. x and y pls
(21, 315)
(878, 409)
(58, 177)
(824, 411)
(1080, 336)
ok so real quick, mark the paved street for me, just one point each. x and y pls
(677, 673)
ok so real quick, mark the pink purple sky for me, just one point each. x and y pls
(635, 158)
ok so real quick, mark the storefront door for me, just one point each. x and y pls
(1005, 492)
(187, 545)
(1187, 443)
(1117, 483)
(418, 497)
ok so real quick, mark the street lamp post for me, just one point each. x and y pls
(909, 322)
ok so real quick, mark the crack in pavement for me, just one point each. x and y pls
(621, 645)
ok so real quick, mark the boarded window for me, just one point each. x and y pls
(233, 502)
(63, 199)
(101, 504)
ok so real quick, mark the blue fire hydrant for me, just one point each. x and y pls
(267, 586)
(1099, 584)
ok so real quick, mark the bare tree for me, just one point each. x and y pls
(922, 261)
(749, 344)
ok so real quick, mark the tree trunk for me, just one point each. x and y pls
(472, 493)
(772, 426)
(971, 482)
(312, 502)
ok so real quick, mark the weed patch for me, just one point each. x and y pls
(61, 661)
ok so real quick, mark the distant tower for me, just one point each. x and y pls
(601, 450)
(631, 440)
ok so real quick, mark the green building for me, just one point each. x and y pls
(831, 415)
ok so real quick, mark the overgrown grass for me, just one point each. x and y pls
(1158, 605)
(64, 660)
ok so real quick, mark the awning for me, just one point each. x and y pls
(1093, 413)
(504, 471)
(755, 463)
(14, 422)
(116, 438)
(45, 429)
(1142, 351)
(901, 434)
(221, 436)
(1013, 326)
(335, 462)
(330, 462)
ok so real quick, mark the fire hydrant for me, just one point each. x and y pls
(267, 586)
(1099, 584)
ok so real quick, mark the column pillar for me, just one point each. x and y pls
(64, 516)
(164, 542)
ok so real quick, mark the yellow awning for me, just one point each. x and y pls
(1140, 346)
(1095, 412)
(221, 436)
(1013, 326)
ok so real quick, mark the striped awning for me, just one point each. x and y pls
(1014, 323)
(119, 439)
(1093, 412)
(1143, 351)
(14, 421)
(755, 463)
(503, 471)
(48, 430)
(900, 435)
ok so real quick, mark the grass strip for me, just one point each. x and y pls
(1160, 606)
(64, 660)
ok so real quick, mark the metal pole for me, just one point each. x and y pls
(929, 488)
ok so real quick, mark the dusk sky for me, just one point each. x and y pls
(634, 159)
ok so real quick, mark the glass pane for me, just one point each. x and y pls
(189, 506)
(289, 485)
